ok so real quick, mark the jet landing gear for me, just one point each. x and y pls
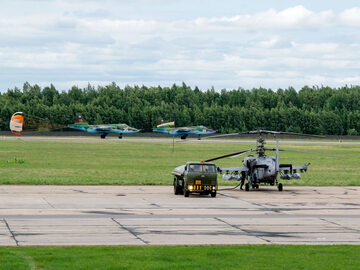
(103, 136)
(120, 136)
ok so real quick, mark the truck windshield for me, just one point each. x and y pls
(202, 168)
(209, 168)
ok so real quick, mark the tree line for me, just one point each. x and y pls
(313, 110)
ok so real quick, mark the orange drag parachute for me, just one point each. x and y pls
(21, 122)
(16, 123)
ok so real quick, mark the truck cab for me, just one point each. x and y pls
(195, 177)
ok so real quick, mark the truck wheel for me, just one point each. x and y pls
(186, 193)
(280, 187)
(176, 192)
(181, 187)
(247, 187)
(213, 194)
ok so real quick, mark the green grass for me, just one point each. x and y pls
(151, 163)
(181, 257)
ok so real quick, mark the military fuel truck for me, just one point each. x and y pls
(195, 177)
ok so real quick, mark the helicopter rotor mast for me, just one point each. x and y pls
(263, 169)
(260, 142)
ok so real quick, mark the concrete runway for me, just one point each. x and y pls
(169, 139)
(152, 215)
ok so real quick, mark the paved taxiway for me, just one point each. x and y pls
(152, 215)
(152, 139)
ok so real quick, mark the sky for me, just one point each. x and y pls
(221, 44)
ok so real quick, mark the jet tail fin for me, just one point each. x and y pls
(162, 123)
(168, 124)
(80, 119)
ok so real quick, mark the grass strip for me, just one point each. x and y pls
(151, 163)
(182, 257)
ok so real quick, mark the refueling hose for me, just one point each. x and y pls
(229, 188)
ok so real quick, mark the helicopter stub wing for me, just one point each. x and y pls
(292, 172)
(233, 173)
(293, 169)
(234, 169)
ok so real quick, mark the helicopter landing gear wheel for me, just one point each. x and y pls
(280, 187)
(247, 187)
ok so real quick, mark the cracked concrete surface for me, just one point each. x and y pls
(153, 215)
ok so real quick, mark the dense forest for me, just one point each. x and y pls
(314, 110)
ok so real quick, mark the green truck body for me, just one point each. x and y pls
(195, 177)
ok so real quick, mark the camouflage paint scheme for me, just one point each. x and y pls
(104, 129)
(169, 128)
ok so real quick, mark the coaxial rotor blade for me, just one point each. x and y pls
(299, 134)
(263, 131)
(250, 150)
(210, 137)
(285, 150)
(230, 155)
(221, 135)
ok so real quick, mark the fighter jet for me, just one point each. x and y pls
(104, 129)
(169, 128)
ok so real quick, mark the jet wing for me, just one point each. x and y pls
(115, 128)
(128, 131)
(203, 132)
(182, 130)
(104, 129)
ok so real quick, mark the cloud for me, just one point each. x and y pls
(297, 17)
(350, 17)
(82, 42)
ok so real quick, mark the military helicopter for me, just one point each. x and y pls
(263, 169)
